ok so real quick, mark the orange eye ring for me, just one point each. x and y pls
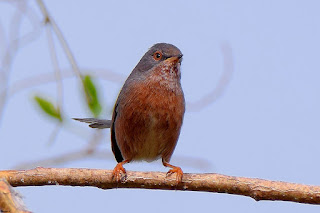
(157, 56)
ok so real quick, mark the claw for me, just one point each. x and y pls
(179, 173)
(118, 172)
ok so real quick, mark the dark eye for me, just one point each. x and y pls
(157, 56)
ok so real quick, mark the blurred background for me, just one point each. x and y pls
(250, 74)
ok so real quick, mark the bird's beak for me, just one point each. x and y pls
(175, 59)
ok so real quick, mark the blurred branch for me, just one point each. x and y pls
(10, 200)
(7, 59)
(58, 78)
(66, 158)
(54, 134)
(57, 69)
(90, 151)
(257, 189)
(14, 43)
(228, 70)
(63, 42)
(45, 78)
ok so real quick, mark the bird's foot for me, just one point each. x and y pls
(118, 172)
(179, 173)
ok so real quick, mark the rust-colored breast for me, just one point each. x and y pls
(150, 116)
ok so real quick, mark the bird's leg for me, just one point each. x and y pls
(116, 174)
(174, 169)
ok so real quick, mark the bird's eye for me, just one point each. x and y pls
(157, 56)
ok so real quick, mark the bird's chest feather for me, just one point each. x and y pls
(156, 108)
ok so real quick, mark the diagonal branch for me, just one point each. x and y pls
(10, 200)
(258, 189)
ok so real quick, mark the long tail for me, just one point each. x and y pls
(95, 123)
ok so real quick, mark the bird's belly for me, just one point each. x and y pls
(153, 143)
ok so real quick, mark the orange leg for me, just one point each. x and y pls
(174, 169)
(116, 174)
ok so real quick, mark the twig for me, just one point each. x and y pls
(6, 62)
(57, 31)
(10, 200)
(66, 158)
(15, 42)
(257, 189)
(57, 69)
(91, 151)
(228, 70)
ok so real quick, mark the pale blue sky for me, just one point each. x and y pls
(266, 125)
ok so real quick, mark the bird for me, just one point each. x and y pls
(149, 111)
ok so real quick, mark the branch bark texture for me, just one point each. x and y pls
(10, 200)
(257, 189)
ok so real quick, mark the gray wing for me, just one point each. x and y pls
(95, 123)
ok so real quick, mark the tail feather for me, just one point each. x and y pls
(95, 123)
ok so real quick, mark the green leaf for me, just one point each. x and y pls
(48, 108)
(91, 96)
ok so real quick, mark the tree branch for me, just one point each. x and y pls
(258, 189)
(10, 200)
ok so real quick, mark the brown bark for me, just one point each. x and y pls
(10, 200)
(258, 189)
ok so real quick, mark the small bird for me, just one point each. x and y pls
(148, 113)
